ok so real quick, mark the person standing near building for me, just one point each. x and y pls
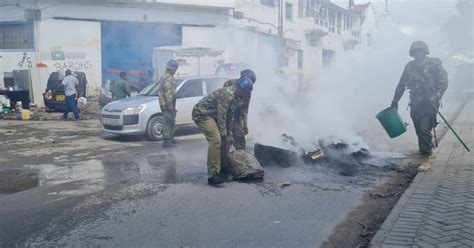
(427, 81)
(214, 116)
(71, 91)
(120, 88)
(167, 98)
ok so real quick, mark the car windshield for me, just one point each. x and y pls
(231, 69)
(152, 89)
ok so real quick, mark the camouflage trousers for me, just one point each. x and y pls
(424, 120)
(169, 125)
(217, 151)
(238, 132)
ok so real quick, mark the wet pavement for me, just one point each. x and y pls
(128, 192)
(102, 190)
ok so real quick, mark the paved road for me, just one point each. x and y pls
(97, 189)
(438, 208)
(139, 195)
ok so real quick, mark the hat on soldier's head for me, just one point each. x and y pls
(419, 45)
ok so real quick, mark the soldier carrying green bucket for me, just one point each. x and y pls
(427, 81)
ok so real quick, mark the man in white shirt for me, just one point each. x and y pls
(70, 84)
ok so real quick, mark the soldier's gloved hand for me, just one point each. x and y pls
(246, 130)
(394, 105)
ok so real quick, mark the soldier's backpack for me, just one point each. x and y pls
(244, 165)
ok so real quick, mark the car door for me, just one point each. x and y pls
(188, 95)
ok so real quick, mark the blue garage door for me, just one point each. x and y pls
(129, 47)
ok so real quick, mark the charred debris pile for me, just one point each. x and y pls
(342, 157)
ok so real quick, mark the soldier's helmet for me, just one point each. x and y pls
(419, 45)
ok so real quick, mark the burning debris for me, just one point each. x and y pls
(347, 158)
(270, 156)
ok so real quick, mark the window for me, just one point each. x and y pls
(339, 20)
(214, 84)
(192, 88)
(332, 17)
(289, 11)
(16, 36)
(301, 12)
(268, 3)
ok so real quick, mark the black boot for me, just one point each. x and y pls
(168, 144)
(215, 180)
(174, 141)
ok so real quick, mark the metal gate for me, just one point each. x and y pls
(128, 46)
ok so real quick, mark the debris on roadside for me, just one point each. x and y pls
(379, 195)
(244, 165)
(285, 184)
(347, 159)
(271, 156)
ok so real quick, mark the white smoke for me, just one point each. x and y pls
(347, 96)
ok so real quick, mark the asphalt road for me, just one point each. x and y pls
(143, 196)
(100, 190)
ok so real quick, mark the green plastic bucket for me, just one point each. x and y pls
(391, 122)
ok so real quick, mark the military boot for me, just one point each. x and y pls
(175, 141)
(168, 144)
(215, 180)
(425, 165)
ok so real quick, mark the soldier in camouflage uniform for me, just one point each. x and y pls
(167, 98)
(427, 81)
(214, 116)
(240, 125)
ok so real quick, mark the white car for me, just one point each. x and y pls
(141, 114)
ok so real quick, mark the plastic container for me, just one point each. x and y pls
(392, 122)
(25, 114)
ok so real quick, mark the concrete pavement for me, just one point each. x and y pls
(437, 210)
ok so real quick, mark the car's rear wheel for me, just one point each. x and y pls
(154, 128)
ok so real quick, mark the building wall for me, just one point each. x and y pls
(79, 41)
(205, 23)
(79, 37)
(10, 61)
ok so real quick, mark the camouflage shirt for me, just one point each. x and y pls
(219, 105)
(244, 105)
(424, 80)
(167, 91)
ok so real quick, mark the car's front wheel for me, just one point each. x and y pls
(154, 128)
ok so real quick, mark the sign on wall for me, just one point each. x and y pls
(59, 55)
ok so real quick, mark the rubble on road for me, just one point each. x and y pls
(348, 159)
(244, 165)
(271, 156)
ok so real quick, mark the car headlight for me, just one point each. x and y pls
(132, 110)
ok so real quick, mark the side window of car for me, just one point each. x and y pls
(214, 84)
(191, 88)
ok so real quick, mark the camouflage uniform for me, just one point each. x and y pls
(214, 116)
(167, 92)
(427, 81)
(239, 125)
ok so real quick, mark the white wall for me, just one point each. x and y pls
(81, 43)
(9, 61)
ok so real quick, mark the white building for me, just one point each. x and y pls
(104, 37)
